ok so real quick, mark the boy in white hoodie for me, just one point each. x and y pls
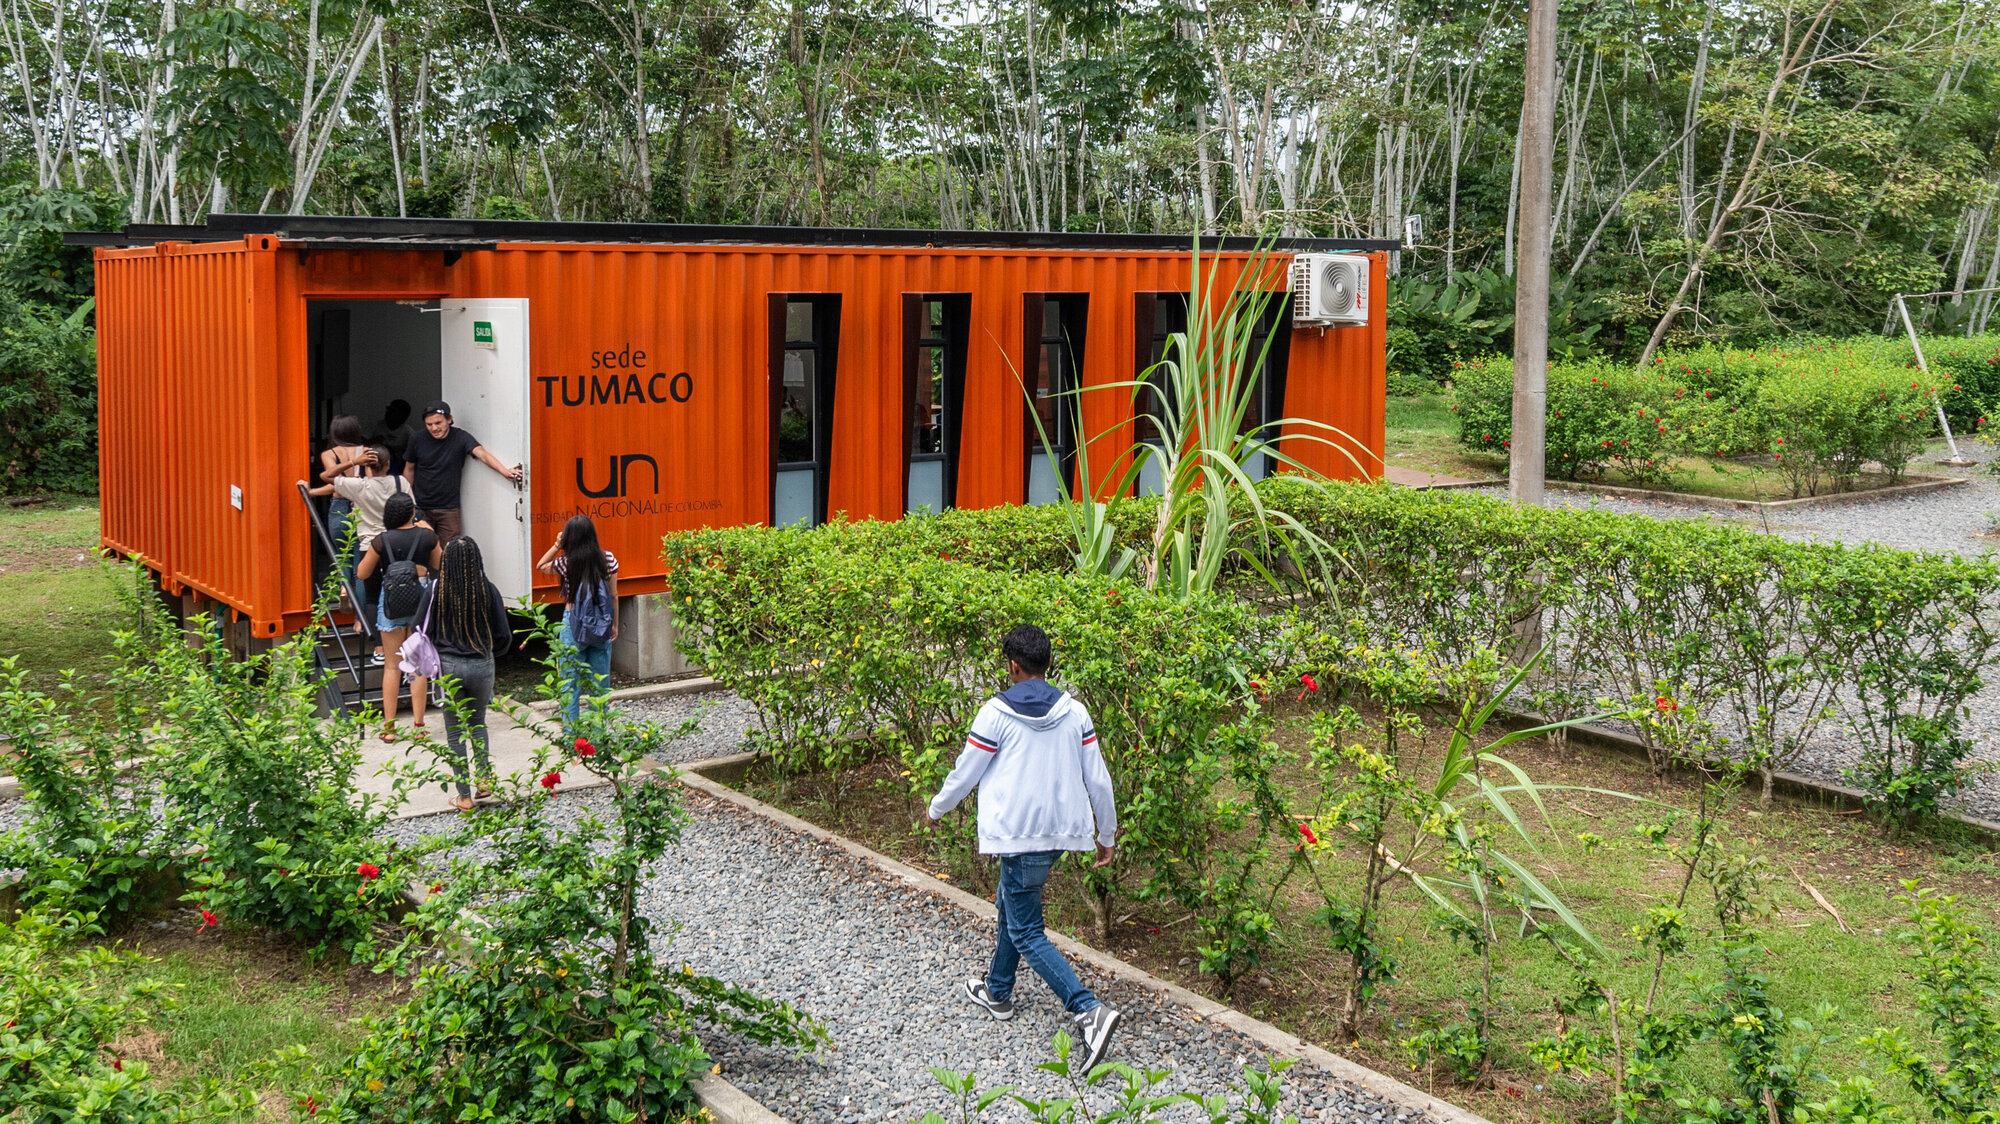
(1032, 753)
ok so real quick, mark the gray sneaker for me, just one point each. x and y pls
(1094, 1027)
(1002, 1009)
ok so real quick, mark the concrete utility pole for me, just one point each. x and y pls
(1527, 456)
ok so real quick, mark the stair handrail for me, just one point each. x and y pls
(368, 626)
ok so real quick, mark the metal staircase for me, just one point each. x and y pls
(348, 682)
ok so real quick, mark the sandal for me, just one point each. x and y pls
(461, 804)
(389, 734)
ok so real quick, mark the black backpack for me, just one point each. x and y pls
(402, 591)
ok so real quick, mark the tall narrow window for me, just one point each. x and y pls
(1156, 317)
(934, 339)
(1269, 358)
(805, 334)
(1055, 332)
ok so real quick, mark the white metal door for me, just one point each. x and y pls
(486, 382)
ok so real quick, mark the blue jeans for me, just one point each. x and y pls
(1021, 934)
(576, 660)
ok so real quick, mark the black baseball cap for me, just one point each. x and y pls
(438, 408)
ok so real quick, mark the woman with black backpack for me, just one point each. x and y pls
(407, 554)
(589, 576)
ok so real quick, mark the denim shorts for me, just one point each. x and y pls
(384, 623)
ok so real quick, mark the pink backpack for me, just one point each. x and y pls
(420, 656)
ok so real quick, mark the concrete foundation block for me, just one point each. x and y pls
(646, 647)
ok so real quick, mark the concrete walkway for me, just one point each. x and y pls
(513, 748)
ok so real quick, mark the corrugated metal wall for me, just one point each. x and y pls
(204, 359)
(1339, 377)
(188, 410)
(132, 445)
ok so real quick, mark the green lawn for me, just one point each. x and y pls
(241, 996)
(57, 601)
(1422, 434)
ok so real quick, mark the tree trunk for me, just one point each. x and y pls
(1526, 460)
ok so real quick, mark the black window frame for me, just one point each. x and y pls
(1151, 330)
(825, 345)
(1275, 322)
(951, 338)
(1070, 336)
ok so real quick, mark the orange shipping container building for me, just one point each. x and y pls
(655, 377)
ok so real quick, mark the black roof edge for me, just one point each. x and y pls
(147, 233)
(319, 227)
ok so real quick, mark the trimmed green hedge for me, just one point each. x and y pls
(1817, 410)
(1784, 644)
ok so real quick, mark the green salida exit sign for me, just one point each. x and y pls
(482, 333)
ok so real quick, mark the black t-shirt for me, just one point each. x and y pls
(413, 543)
(439, 465)
(446, 637)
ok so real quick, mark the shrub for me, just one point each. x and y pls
(1781, 636)
(64, 1006)
(1971, 367)
(1961, 994)
(1433, 326)
(1828, 415)
(48, 399)
(96, 842)
(1600, 416)
(1818, 411)
(262, 790)
(559, 1007)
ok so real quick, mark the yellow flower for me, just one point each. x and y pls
(374, 1086)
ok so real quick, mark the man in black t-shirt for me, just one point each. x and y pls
(434, 463)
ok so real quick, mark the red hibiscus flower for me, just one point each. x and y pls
(208, 920)
(368, 871)
(584, 748)
(551, 781)
(1309, 682)
(1665, 705)
(1307, 831)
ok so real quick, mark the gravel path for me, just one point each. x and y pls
(1947, 519)
(795, 918)
(725, 718)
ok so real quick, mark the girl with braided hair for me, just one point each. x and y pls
(468, 626)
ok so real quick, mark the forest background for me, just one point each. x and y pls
(1724, 172)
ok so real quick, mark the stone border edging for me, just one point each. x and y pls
(1918, 484)
(1381, 1086)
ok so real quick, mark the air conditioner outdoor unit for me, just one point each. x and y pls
(1329, 289)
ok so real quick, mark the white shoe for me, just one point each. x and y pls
(1002, 1009)
(1095, 1027)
